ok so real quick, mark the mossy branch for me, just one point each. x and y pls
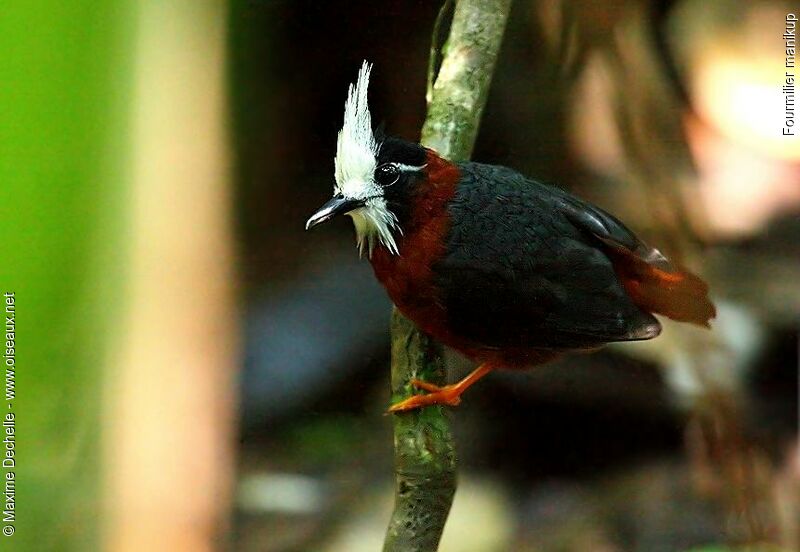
(425, 461)
(462, 85)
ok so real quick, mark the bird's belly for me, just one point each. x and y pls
(409, 282)
(410, 287)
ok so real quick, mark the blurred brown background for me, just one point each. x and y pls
(666, 113)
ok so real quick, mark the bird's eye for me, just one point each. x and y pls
(387, 174)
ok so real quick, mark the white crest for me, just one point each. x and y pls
(356, 148)
(355, 163)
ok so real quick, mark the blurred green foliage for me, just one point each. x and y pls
(66, 73)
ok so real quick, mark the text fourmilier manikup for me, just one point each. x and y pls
(789, 37)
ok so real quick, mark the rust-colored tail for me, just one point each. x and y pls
(677, 294)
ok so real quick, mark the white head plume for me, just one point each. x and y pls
(355, 163)
(356, 148)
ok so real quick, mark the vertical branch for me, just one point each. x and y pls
(425, 462)
(462, 86)
(424, 451)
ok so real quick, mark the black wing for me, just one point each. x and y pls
(607, 228)
(522, 268)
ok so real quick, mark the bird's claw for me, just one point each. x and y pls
(430, 387)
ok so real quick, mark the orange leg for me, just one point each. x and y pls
(449, 395)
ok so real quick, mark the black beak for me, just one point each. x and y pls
(336, 206)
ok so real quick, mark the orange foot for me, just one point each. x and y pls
(449, 395)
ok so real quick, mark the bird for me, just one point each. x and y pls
(507, 270)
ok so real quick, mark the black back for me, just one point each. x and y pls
(525, 266)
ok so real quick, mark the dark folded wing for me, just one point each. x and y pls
(519, 272)
(609, 229)
(650, 280)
